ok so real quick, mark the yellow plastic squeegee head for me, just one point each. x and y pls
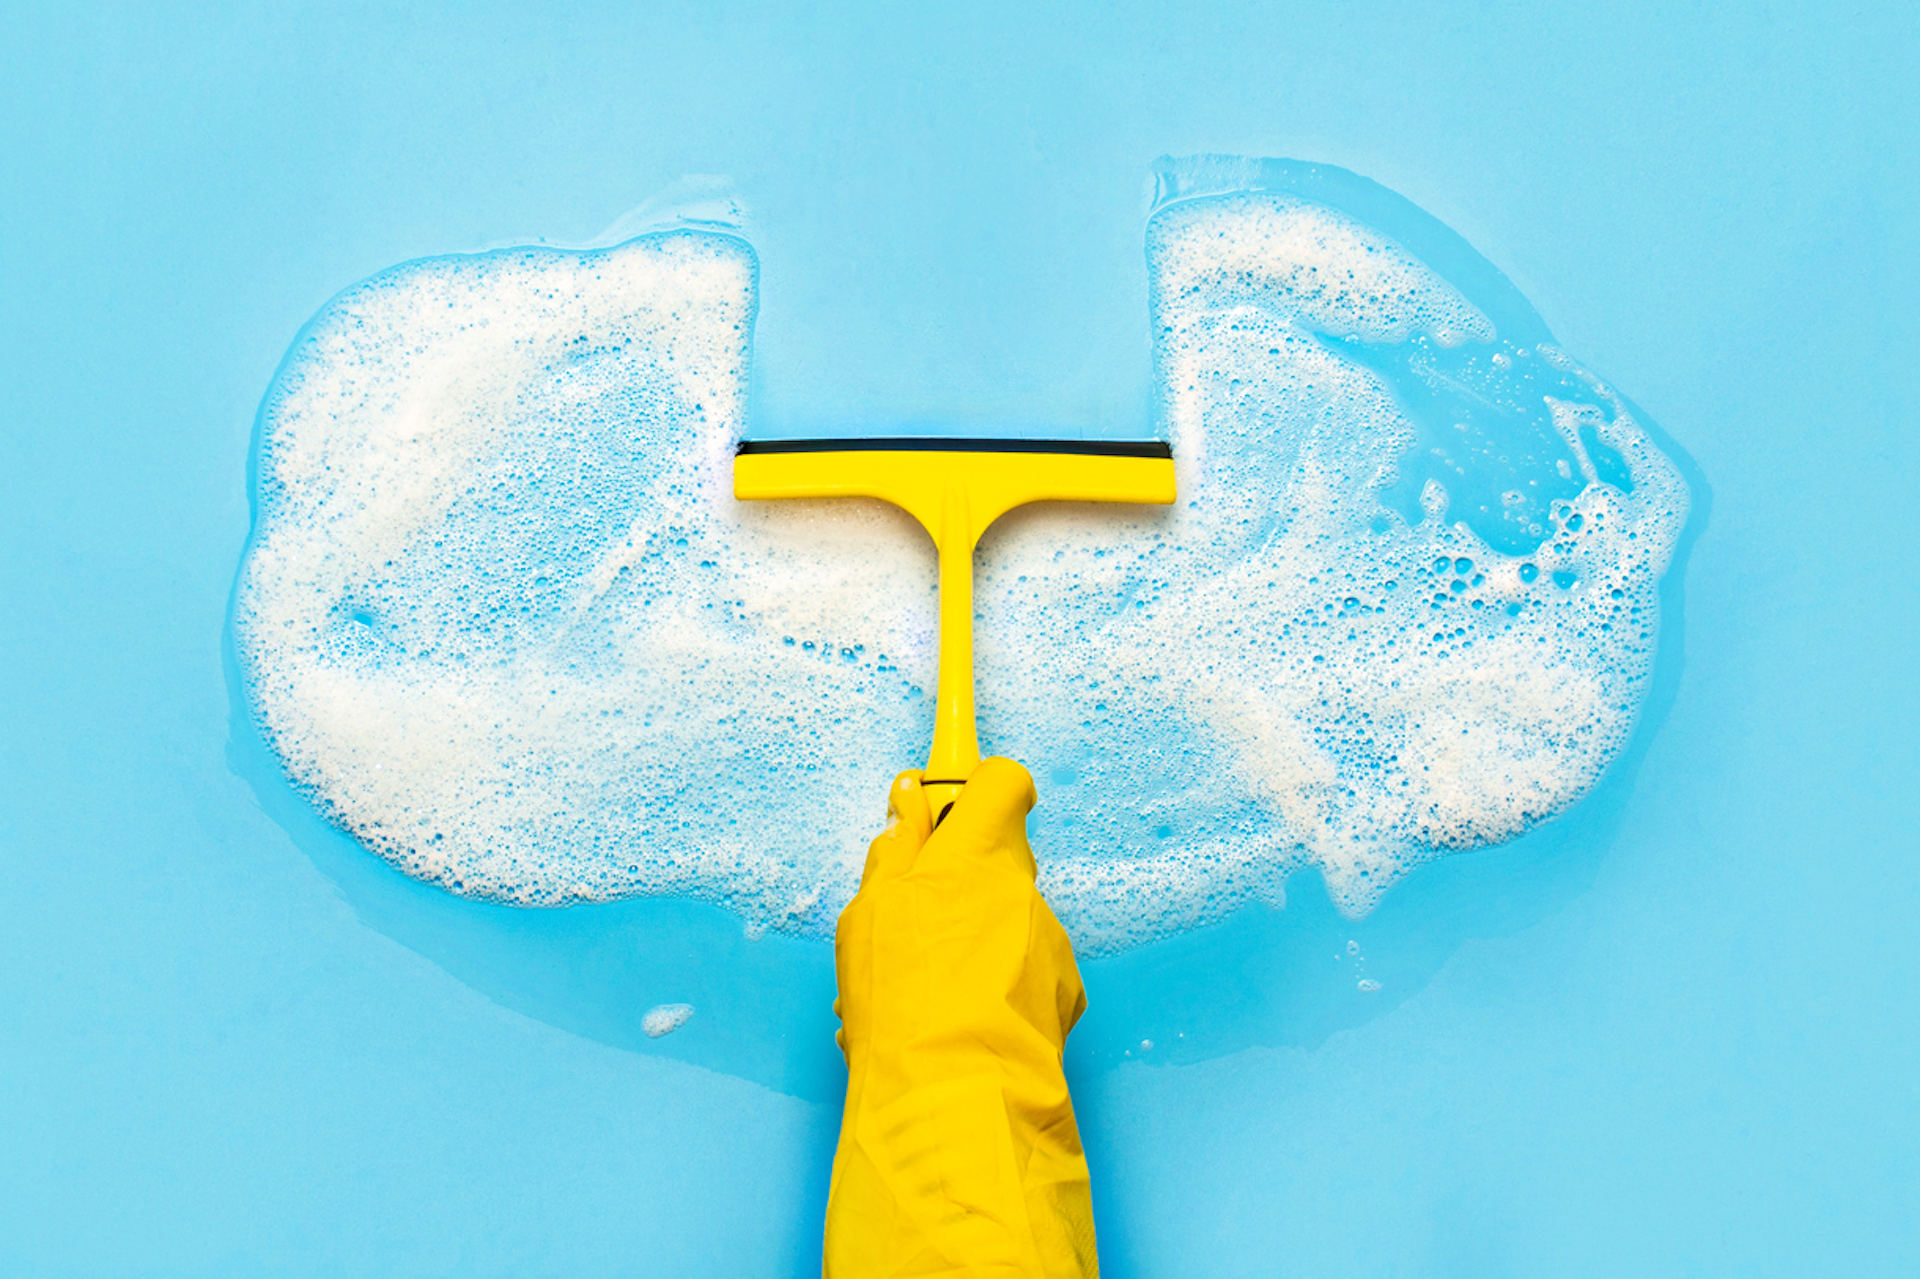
(956, 488)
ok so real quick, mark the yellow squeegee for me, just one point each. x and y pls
(956, 488)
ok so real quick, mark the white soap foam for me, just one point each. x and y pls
(1279, 671)
(664, 1019)
(503, 621)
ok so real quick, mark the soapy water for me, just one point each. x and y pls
(503, 621)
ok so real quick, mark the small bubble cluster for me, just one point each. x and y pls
(503, 621)
(664, 1019)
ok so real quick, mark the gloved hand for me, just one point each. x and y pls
(958, 1150)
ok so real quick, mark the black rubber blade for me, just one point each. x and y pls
(962, 444)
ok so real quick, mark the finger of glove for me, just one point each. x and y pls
(892, 854)
(989, 820)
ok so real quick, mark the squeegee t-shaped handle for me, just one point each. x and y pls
(956, 488)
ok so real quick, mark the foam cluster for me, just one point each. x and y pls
(1282, 671)
(503, 621)
(664, 1019)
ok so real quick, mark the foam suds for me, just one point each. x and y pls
(664, 1019)
(1283, 671)
(504, 622)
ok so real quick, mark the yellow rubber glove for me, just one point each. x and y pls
(958, 1150)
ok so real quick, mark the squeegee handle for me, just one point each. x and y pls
(956, 742)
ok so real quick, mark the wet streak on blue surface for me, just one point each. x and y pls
(1670, 1035)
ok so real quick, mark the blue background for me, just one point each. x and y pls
(1672, 1034)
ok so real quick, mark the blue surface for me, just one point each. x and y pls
(1672, 1034)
